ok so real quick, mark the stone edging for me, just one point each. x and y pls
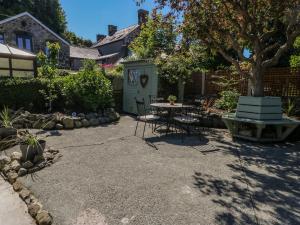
(12, 168)
(60, 121)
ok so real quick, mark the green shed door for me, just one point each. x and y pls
(140, 81)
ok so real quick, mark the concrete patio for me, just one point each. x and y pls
(107, 176)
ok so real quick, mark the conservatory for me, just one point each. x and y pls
(16, 62)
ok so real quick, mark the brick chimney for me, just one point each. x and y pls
(112, 29)
(143, 16)
(100, 37)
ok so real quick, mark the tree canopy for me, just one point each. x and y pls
(268, 28)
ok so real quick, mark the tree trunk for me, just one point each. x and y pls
(257, 82)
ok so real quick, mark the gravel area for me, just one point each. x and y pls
(107, 176)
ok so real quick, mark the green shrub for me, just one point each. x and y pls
(87, 91)
(228, 100)
(17, 93)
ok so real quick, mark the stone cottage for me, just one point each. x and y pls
(26, 32)
(114, 47)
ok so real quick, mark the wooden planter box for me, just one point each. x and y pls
(259, 108)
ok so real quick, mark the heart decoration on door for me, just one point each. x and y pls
(144, 78)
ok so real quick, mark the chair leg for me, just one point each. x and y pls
(137, 124)
(144, 129)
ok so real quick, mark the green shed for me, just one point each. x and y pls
(140, 82)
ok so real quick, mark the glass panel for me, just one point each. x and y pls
(22, 64)
(28, 44)
(1, 38)
(23, 74)
(4, 73)
(20, 42)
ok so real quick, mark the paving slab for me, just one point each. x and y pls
(13, 211)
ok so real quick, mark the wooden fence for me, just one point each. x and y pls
(281, 82)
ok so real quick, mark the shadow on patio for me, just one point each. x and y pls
(266, 181)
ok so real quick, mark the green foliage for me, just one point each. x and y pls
(227, 83)
(116, 71)
(295, 58)
(89, 90)
(48, 69)
(290, 108)
(228, 100)
(157, 36)
(77, 41)
(90, 65)
(5, 118)
(172, 98)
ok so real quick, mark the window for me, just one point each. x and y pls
(24, 42)
(2, 38)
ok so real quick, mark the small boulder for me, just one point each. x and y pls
(34, 208)
(85, 123)
(16, 156)
(50, 125)
(91, 116)
(18, 186)
(44, 218)
(48, 156)
(81, 115)
(27, 164)
(78, 124)
(94, 122)
(15, 165)
(6, 168)
(59, 126)
(68, 123)
(38, 124)
(4, 160)
(12, 177)
(24, 193)
(22, 172)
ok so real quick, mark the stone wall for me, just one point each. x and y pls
(39, 35)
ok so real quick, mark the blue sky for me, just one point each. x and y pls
(89, 17)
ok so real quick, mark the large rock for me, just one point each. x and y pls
(78, 124)
(34, 208)
(85, 123)
(12, 177)
(38, 124)
(15, 165)
(24, 194)
(27, 165)
(81, 115)
(43, 218)
(50, 125)
(4, 160)
(59, 126)
(16, 156)
(94, 122)
(91, 116)
(22, 172)
(68, 123)
(17, 186)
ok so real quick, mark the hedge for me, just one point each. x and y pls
(81, 92)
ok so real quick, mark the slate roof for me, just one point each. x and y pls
(84, 53)
(6, 50)
(119, 35)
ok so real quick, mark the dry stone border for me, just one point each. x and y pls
(12, 167)
(59, 121)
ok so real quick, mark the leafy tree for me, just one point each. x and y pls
(77, 41)
(157, 36)
(48, 69)
(295, 58)
(238, 24)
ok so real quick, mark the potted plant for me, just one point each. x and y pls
(6, 127)
(172, 99)
(31, 146)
